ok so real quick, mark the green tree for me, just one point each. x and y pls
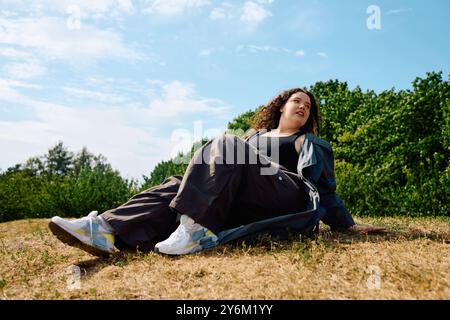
(58, 160)
(242, 122)
(63, 185)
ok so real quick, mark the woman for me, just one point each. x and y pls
(231, 188)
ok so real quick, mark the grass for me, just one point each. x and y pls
(411, 261)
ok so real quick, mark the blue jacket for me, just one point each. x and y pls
(316, 169)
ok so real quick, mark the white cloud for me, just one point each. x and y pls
(96, 96)
(8, 83)
(95, 9)
(254, 13)
(226, 11)
(8, 90)
(180, 98)
(251, 13)
(51, 38)
(206, 52)
(265, 1)
(25, 70)
(397, 11)
(8, 14)
(130, 137)
(322, 54)
(133, 150)
(87, 8)
(209, 51)
(218, 14)
(173, 7)
(253, 49)
(14, 53)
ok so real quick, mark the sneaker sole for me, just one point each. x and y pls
(190, 251)
(73, 241)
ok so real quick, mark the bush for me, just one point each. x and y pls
(72, 187)
(392, 151)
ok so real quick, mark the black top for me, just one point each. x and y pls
(287, 155)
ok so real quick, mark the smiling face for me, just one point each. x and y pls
(296, 110)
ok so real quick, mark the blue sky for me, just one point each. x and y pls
(139, 80)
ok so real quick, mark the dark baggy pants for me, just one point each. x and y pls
(223, 187)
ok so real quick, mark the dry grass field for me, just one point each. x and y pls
(411, 261)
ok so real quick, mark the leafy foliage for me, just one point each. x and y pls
(392, 150)
(242, 122)
(61, 183)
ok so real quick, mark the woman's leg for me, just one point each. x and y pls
(89, 233)
(223, 186)
(228, 183)
(146, 218)
(141, 222)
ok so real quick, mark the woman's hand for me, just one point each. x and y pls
(357, 228)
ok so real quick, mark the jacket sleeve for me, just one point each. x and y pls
(337, 215)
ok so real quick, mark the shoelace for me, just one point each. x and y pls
(182, 232)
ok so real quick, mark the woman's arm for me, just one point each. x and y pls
(337, 215)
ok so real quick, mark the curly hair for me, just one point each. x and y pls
(268, 116)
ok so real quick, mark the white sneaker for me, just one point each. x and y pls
(189, 237)
(88, 233)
